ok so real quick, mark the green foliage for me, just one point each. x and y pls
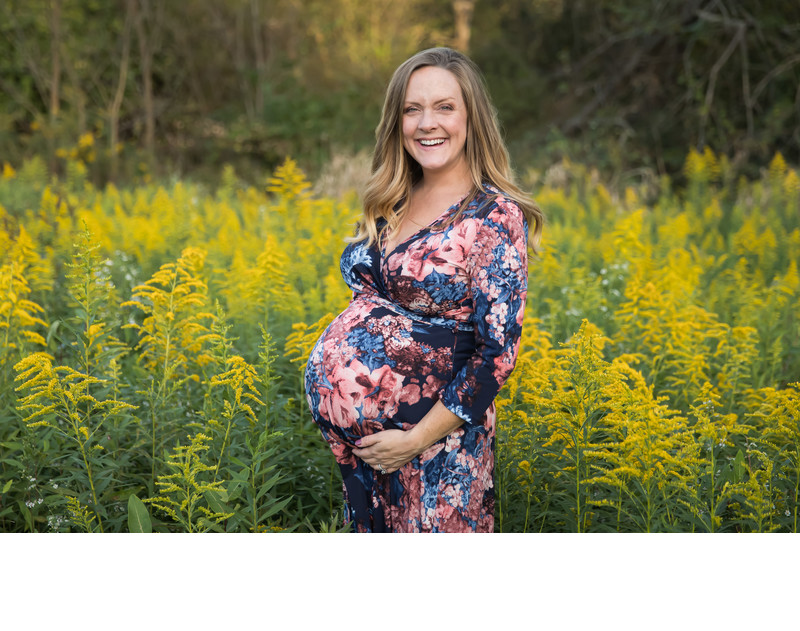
(156, 338)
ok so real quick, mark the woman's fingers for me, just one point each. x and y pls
(385, 450)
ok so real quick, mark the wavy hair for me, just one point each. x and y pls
(395, 172)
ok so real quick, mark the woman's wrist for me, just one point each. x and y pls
(434, 426)
(415, 441)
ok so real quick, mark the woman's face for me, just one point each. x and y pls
(435, 120)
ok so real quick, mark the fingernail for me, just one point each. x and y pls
(358, 443)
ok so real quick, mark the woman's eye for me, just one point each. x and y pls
(409, 109)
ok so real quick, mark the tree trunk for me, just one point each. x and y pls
(77, 96)
(116, 105)
(55, 76)
(258, 50)
(55, 50)
(146, 59)
(241, 61)
(462, 12)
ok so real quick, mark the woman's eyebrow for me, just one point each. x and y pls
(436, 102)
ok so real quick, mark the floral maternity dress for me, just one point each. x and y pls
(437, 318)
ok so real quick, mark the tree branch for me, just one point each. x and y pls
(785, 65)
(712, 77)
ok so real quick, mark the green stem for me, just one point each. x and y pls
(189, 510)
(253, 492)
(578, 485)
(796, 489)
(159, 395)
(544, 510)
(91, 484)
(713, 507)
(527, 510)
(222, 449)
(153, 443)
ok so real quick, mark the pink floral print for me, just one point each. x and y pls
(437, 318)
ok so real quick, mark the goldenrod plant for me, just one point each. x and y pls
(60, 398)
(159, 362)
(20, 321)
(172, 342)
(777, 432)
(185, 494)
(78, 404)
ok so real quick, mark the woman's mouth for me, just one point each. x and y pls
(431, 142)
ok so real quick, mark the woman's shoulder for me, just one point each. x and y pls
(494, 205)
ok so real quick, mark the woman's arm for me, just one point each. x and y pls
(498, 270)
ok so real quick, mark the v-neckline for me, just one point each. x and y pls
(385, 254)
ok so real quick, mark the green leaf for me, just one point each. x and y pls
(738, 467)
(138, 516)
(7, 486)
(268, 484)
(206, 524)
(235, 488)
(237, 461)
(26, 513)
(274, 508)
(216, 501)
(52, 331)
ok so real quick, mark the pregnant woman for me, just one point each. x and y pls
(402, 383)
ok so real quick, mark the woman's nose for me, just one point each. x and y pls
(427, 121)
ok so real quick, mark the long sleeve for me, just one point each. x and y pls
(498, 270)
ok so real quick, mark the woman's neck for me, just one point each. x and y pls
(456, 181)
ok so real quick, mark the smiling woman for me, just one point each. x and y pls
(402, 383)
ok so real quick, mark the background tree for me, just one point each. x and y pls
(622, 85)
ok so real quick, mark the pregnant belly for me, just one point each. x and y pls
(373, 369)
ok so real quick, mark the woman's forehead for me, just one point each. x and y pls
(433, 83)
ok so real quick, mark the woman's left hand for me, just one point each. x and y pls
(387, 451)
(390, 449)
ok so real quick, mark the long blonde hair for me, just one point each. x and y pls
(395, 172)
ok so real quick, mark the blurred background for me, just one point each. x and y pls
(146, 89)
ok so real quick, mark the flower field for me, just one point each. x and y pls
(153, 341)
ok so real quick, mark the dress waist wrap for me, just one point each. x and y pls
(451, 324)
